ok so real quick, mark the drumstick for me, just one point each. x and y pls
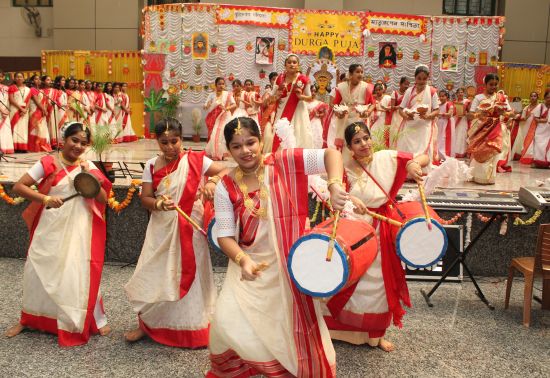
(188, 218)
(393, 222)
(325, 204)
(333, 236)
(425, 206)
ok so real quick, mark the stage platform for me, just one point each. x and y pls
(126, 230)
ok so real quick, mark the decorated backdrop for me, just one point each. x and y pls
(102, 66)
(186, 46)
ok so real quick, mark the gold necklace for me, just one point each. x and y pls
(261, 212)
(365, 160)
(167, 180)
(67, 162)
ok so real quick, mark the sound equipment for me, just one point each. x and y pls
(537, 198)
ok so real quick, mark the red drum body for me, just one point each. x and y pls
(355, 248)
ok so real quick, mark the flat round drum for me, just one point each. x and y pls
(87, 185)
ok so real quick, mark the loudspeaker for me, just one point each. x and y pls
(455, 235)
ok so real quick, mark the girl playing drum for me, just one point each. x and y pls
(65, 257)
(262, 323)
(362, 313)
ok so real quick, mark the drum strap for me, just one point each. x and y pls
(380, 187)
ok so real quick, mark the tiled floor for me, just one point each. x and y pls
(458, 337)
(144, 149)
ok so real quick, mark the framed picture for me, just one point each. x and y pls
(449, 58)
(200, 45)
(387, 56)
(483, 58)
(265, 50)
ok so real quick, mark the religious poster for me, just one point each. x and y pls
(483, 58)
(449, 58)
(265, 50)
(387, 55)
(340, 31)
(200, 45)
(162, 46)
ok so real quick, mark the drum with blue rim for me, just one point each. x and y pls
(355, 248)
(416, 244)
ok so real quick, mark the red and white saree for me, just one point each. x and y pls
(128, 134)
(365, 310)
(267, 326)
(19, 120)
(289, 106)
(6, 138)
(39, 137)
(65, 259)
(216, 119)
(172, 289)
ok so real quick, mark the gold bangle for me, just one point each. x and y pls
(158, 203)
(46, 199)
(239, 257)
(214, 179)
(334, 181)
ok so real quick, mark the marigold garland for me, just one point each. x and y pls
(10, 200)
(453, 220)
(117, 206)
(520, 222)
(316, 213)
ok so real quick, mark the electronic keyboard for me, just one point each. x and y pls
(475, 201)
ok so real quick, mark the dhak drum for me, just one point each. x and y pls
(416, 245)
(355, 248)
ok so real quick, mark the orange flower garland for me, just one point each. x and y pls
(453, 220)
(8, 199)
(117, 206)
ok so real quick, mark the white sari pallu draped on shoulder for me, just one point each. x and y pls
(267, 326)
(172, 289)
(65, 259)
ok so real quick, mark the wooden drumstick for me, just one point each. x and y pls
(382, 218)
(332, 236)
(188, 218)
(425, 205)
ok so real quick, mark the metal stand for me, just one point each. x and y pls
(461, 259)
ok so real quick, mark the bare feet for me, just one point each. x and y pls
(14, 330)
(104, 331)
(134, 335)
(385, 345)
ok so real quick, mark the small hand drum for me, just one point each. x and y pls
(86, 185)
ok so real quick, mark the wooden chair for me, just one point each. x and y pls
(532, 267)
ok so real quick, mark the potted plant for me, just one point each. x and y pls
(153, 105)
(170, 106)
(102, 139)
(196, 118)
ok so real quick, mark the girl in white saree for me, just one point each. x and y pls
(419, 108)
(65, 258)
(262, 324)
(172, 289)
